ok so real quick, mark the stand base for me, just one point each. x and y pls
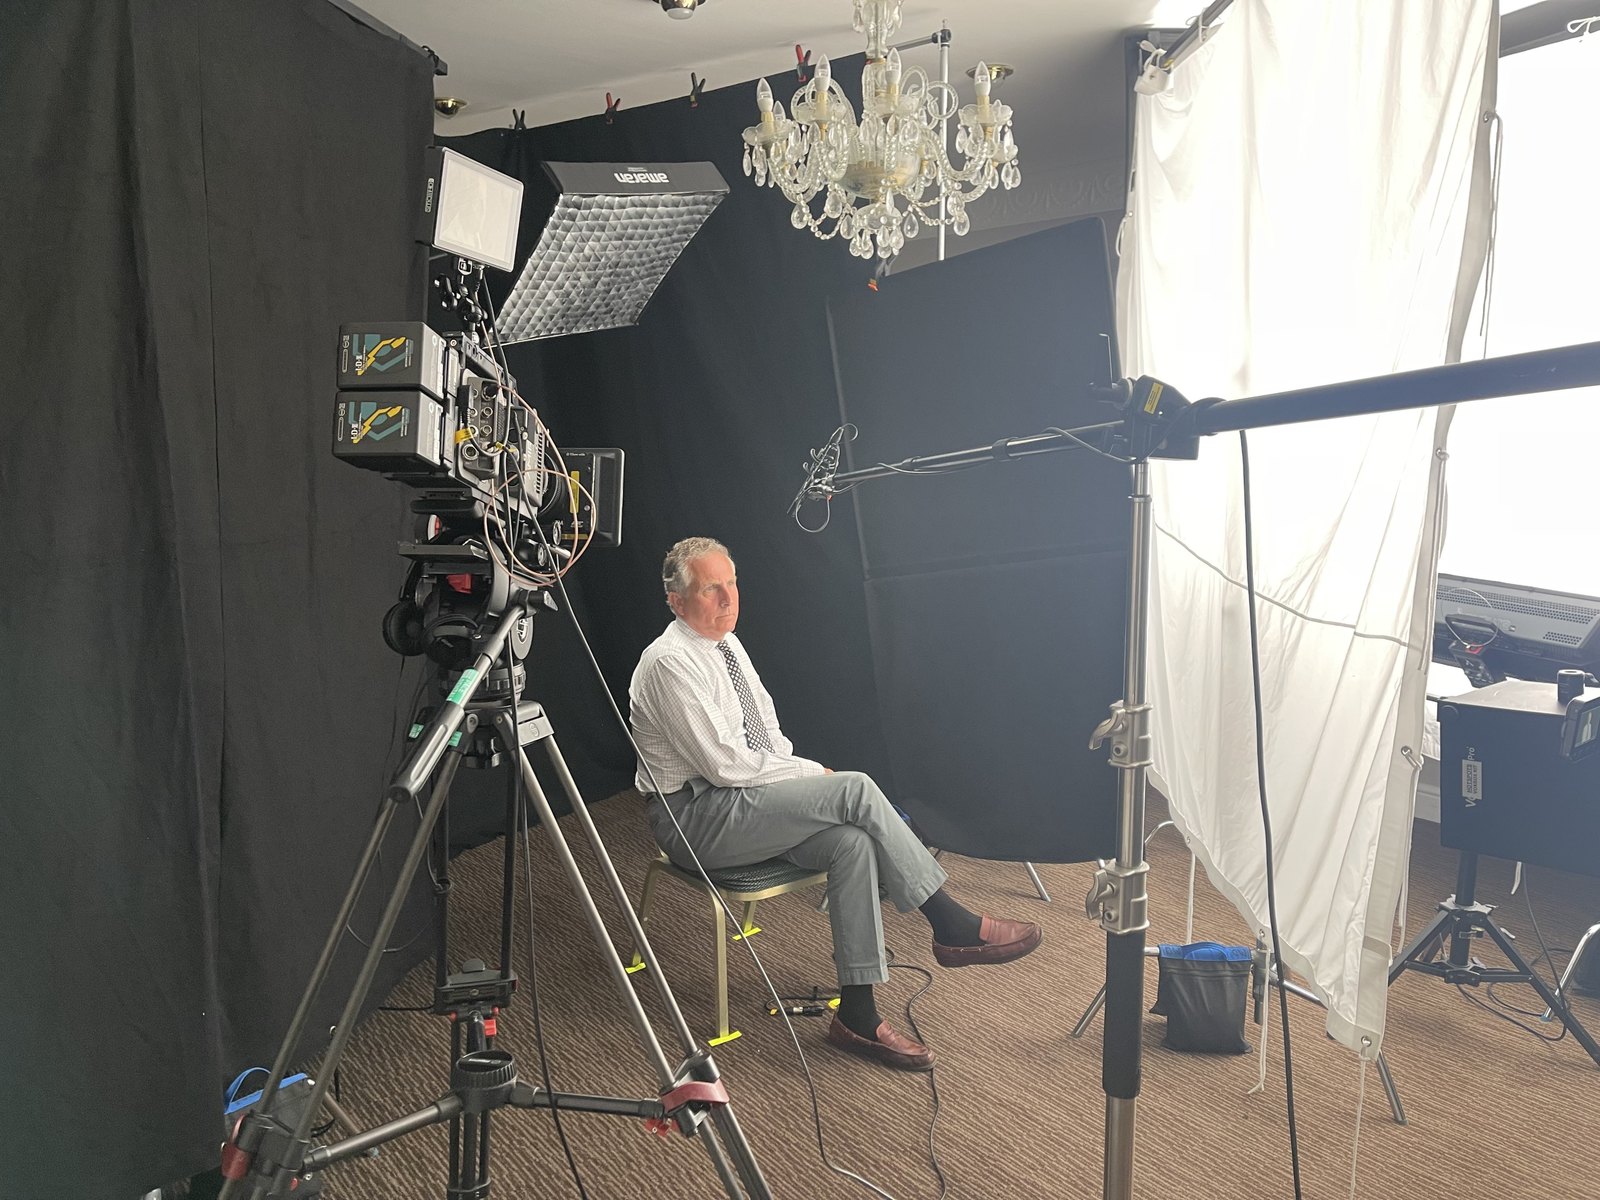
(1462, 921)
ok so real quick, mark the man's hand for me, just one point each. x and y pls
(827, 770)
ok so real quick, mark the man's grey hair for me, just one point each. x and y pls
(675, 568)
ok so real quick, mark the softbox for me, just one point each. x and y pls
(608, 234)
(995, 597)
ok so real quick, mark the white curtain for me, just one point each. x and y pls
(1308, 205)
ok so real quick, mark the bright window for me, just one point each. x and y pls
(1523, 496)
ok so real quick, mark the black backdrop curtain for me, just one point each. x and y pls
(996, 595)
(715, 396)
(196, 700)
(718, 394)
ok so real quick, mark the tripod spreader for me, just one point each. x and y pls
(487, 1079)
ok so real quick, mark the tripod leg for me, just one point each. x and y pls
(1556, 1004)
(1294, 989)
(1389, 1090)
(319, 973)
(1413, 952)
(455, 1121)
(280, 1182)
(508, 886)
(1572, 966)
(721, 1114)
(1038, 884)
(1091, 1012)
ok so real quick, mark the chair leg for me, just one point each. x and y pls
(645, 897)
(1038, 884)
(724, 1033)
(748, 926)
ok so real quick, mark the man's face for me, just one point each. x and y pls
(711, 605)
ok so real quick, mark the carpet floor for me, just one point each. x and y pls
(1492, 1111)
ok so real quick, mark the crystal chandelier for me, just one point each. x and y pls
(881, 179)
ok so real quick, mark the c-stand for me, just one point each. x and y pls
(1158, 422)
(1461, 918)
(483, 715)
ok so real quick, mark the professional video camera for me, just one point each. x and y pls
(500, 504)
(501, 508)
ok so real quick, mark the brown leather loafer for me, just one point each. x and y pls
(1002, 942)
(892, 1049)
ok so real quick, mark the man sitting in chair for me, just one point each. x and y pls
(731, 787)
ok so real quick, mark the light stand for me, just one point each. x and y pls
(1461, 918)
(1158, 422)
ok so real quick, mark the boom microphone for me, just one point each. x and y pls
(820, 470)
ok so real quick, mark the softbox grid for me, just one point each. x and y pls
(598, 261)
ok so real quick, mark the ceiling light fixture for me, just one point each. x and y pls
(883, 179)
(680, 10)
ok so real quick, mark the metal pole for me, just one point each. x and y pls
(944, 123)
(1118, 899)
(1552, 370)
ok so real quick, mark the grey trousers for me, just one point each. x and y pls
(839, 823)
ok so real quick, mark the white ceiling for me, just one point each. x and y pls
(558, 60)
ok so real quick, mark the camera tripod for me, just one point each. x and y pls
(1461, 919)
(271, 1151)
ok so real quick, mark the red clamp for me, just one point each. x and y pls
(691, 1091)
(694, 1091)
(235, 1162)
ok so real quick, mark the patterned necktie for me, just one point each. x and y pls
(755, 730)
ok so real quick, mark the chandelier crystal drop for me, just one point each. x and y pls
(881, 179)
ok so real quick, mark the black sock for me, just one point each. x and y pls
(952, 924)
(857, 1012)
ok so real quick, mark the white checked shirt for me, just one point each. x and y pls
(687, 720)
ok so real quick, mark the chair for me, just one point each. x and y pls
(746, 886)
